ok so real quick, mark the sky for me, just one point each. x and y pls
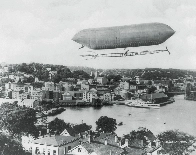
(41, 31)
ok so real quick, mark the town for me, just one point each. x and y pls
(33, 84)
(30, 92)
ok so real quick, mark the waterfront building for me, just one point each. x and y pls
(108, 97)
(67, 96)
(78, 95)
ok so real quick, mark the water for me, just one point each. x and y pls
(179, 115)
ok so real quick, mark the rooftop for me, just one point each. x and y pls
(55, 140)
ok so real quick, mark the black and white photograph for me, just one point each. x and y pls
(97, 77)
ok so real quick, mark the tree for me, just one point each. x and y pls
(9, 146)
(175, 142)
(80, 74)
(106, 124)
(58, 125)
(18, 120)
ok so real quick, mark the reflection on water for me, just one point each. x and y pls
(178, 115)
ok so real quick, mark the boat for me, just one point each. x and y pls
(121, 123)
(139, 103)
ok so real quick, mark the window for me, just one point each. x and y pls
(69, 147)
(44, 151)
(54, 152)
(79, 150)
(37, 150)
(48, 151)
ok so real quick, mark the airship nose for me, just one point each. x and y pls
(75, 38)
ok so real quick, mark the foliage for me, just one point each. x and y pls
(151, 89)
(106, 124)
(18, 120)
(175, 142)
(58, 125)
(37, 84)
(9, 146)
(114, 78)
(80, 74)
(140, 134)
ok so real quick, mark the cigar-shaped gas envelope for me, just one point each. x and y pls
(136, 35)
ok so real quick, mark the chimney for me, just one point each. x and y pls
(126, 142)
(106, 142)
(142, 143)
(82, 122)
(89, 138)
(116, 139)
(48, 131)
(120, 143)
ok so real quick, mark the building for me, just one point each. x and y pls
(77, 95)
(36, 94)
(54, 145)
(102, 80)
(108, 97)
(67, 96)
(31, 103)
(49, 86)
(80, 130)
(103, 144)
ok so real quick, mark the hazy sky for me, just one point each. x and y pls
(41, 31)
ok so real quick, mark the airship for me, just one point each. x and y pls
(136, 35)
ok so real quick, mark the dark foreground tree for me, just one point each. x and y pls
(58, 125)
(106, 124)
(18, 120)
(9, 146)
(175, 142)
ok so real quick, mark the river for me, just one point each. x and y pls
(179, 115)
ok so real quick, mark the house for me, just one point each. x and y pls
(49, 86)
(141, 142)
(78, 95)
(79, 130)
(108, 97)
(31, 103)
(67, 96)
(54, 145)
(90, 95)
(102, 80)
(36, 94)
(100, 144)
